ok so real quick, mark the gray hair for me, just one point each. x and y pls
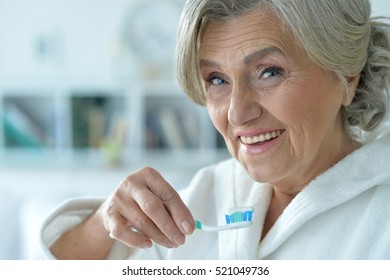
(339, 35)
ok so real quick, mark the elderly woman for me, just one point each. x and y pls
(294, 87)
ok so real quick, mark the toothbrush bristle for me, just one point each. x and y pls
(248, 216)
(239, 217)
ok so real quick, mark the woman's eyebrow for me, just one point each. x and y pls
(260, 54)
(247, 60)
(209, 63)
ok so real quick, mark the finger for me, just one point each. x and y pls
(143, 224)
(155, 202)
(171, 201)
(124, 204)
(119, 229)
(153, 210)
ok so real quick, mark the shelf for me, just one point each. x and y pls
(120, 126)
(69, 95)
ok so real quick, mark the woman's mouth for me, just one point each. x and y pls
(260, 138)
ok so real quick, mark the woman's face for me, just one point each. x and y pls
(278, 111)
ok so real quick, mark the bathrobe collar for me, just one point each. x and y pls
(358, 172)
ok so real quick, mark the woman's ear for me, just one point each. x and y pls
(353, 82)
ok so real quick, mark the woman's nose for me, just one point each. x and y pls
(244, 105)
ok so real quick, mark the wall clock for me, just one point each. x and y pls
(150, 29)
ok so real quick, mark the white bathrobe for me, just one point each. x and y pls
(342, 214)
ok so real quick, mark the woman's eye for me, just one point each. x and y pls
(216, 81)
(269, 77)
(271, 72)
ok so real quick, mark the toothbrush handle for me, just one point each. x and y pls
(235, 225)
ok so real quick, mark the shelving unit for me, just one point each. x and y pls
(105, 123)
(74, 93)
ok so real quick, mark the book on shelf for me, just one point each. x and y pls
(155, 138)
(88, 122)
(190, 127)
(170, 123)
(20, 130)
(171, 128)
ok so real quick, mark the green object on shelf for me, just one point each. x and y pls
(112, 150)
(14, 137)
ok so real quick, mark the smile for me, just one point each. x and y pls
(261, 137)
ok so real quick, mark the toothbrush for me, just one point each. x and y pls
(238, 217)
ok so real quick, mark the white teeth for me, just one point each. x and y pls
(261, 137)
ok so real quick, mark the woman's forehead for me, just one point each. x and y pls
(246, 34)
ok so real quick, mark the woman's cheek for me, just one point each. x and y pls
(218, 119)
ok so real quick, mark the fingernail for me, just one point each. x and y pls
(186, 227)
(179, 239)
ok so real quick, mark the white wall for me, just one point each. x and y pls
(82, 36)
(380, 7)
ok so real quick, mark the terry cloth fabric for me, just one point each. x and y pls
(342, 214)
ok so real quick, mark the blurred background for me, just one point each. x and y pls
(88, 95)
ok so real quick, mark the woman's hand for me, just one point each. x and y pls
(146, 208)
